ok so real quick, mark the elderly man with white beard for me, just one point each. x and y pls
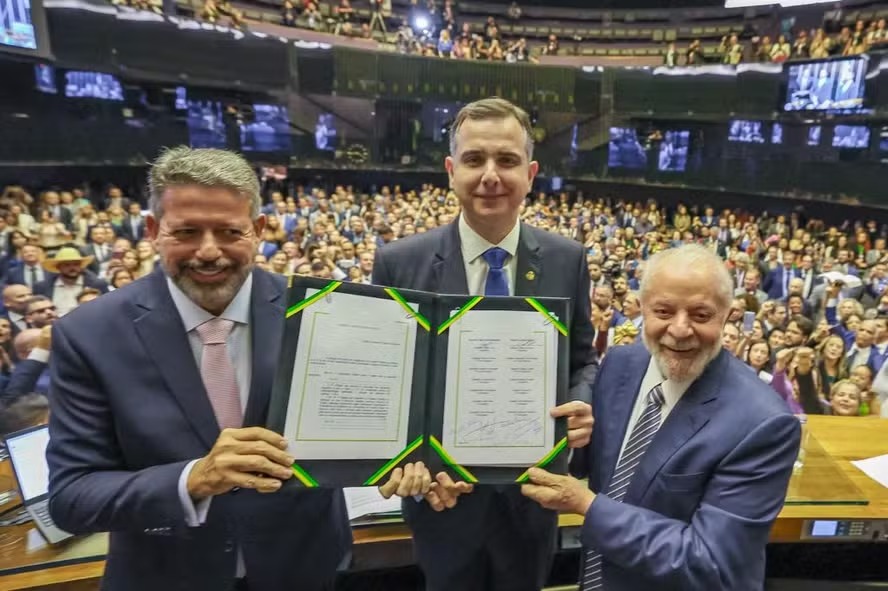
(691, 453)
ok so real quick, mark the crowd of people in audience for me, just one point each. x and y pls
(810, 313)
(813, 44)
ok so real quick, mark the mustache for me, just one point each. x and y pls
(680, 345)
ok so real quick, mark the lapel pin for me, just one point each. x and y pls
(530, 276)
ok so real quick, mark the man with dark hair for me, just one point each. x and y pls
(87, 295)
(25, 411)
(40, 311)
(798, 331)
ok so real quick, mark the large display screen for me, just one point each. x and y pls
(205, 127)
(851, 136)
(269, 131)
(749, 132)
(836, 84)
(674, 151)
(93, 85)
(23, 27)
(624, 149)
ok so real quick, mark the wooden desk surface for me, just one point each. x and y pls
(865, 438)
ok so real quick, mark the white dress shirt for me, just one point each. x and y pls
(239, 350)
(473, 246)
(64, 296)
(672, 393)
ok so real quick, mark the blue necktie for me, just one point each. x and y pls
(497, 284)
(642, 434)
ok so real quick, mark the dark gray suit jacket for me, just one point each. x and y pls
(495, 525)
(433, 262)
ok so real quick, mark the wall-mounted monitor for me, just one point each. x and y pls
(883, 144)
(674, 151)
(624, 149)
(851, 136)
(205, 127)
(45, 79)
(814, 133)
(269, 131)
(93, 85)
(23, 28)
(777, 133)
(748, 132)
(826, 85)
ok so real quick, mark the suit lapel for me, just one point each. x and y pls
(267, 324)
(620, 406)
(163, 336)
(529, 270)
(688, 417)
(449, 269)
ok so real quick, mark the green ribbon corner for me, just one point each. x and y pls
(448, 459)
(545, 461)
(420, 319)
(300, 306)
(391, 464)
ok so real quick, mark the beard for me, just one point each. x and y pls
(213, 298)
(681, 369)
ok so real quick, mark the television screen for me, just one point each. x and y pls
(23, 28)
(325, 132)
(826, 85)
(45, 79)
(883, 144)
(269, 131)
(624, 150)
(749, 132)
(674, 151)
(814, 135)
(181, 100)
(851, 136)
(93, 85)
(777, 134)
(205, 127)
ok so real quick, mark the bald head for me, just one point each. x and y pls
(25, 341)
(15, 297)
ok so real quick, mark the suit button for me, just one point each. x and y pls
(229, 546)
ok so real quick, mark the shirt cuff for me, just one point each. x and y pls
(41, 355)
(195, 513)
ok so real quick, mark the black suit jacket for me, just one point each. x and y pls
(493, 521)
(133, 232)
(127, 419)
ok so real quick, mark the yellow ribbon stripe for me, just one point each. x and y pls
(304, 477)
(547, 459)
(448, 459)
(420, 319)
(549, 315)
(297, 308)
(390, 465)
(459, 313)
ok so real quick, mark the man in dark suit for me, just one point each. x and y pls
(29, 273)
(776, 283)
(67, 276)
(691, 454)
(99, 247)
(493, 538)
(15, 300)
(158, 438)
(133, 225)
(59, 212)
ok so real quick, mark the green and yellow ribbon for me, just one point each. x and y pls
(420, 319)
(304, 477)
(545, 461)
(448, 459)
(299, 307)
(459, 313)
(550, 316)
(391, 464)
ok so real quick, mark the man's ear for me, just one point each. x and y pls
(259, 225)
(152, 227)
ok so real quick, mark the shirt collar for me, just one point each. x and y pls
(60, 283)
(473, 245)
(672, 389)
(193, 315)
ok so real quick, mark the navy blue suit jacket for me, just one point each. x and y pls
(701, 503)
(28, 376)
(773, 283)
(125, 420)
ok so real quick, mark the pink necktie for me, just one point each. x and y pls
(218, 374)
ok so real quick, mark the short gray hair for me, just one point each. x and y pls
(690, 256)
(207, 167)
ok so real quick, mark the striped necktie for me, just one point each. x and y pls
(642, 434)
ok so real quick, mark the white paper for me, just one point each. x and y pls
(352, 377)
(876, 468)
(501, 384)
(366, 500)
(849, 280)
